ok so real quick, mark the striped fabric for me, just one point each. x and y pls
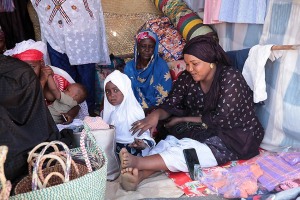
(276, 170)
(184, 19)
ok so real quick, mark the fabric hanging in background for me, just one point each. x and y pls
(281, 111)
(7, 6)
(243, 11)
(196, 6)
(211, 11)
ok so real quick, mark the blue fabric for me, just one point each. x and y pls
(238, 58)
(84, 74)
(157, 78)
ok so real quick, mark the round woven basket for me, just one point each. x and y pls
(26, 183)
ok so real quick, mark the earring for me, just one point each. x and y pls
(212, 65)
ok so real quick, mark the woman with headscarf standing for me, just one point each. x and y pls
(148, 72)
(209, 96)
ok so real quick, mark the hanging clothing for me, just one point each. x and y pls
(129, 111)
(211, 11)
(152, 83)
(243, 11)
(75, 28)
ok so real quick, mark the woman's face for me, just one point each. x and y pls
(199, 69)
(35, 65)
(146, 48)
(113, 94)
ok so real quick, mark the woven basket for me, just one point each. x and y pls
(72, 171)
(25, 185)
(122, 21)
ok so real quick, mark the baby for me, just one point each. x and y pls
(73, 95)
(121, 109)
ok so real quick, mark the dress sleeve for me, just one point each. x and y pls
(234, 98)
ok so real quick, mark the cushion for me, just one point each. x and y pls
(171, 42)
(188, 23)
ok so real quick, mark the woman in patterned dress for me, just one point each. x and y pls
(148, 72)
(209, 95)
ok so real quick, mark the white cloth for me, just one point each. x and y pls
(74, 27)
(171, 151)
(254, 71)
(27, 45)
(128, 112)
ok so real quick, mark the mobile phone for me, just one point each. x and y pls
(191, 159)
(64, 118)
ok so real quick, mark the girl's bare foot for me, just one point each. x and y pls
(127, 160)
(129, 178)
(138, 144)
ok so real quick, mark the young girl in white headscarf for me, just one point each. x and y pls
(121, 109)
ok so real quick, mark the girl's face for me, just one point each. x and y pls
(113, 94)
(146, 48)
(199, 69)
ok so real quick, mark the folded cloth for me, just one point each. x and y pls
(95, 123)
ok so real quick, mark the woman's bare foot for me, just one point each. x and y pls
(129, 178)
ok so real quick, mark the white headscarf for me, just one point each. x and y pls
(123, 115)
(27, 45)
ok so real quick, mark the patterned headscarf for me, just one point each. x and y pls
(144, 35)
(206, 48)
(28, 50)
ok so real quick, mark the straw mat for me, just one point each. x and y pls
(123, 19)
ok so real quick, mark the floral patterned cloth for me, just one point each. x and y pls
(75, 28)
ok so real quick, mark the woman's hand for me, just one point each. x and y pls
(150, 122)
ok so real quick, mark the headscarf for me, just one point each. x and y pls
(123, 115)
(153, 83)
(28, 50)
(144, 35)
(206, 48)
